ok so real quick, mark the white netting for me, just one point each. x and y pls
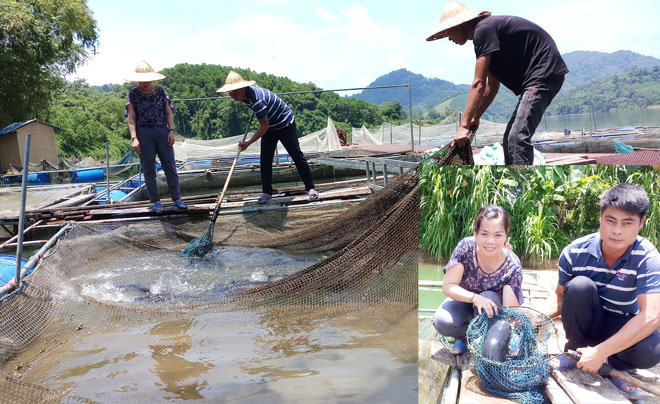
(321, 141)
(435, 135)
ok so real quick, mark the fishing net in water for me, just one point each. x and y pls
(367, 257)
(520, 377)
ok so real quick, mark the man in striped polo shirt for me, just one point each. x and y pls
(276, 123)
(609, 289)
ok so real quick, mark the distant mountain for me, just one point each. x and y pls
(426, 93)
(586, 66)
(434, 97)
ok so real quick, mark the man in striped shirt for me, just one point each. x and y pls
(276, 123)
(609, 288)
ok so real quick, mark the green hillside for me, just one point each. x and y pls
(586, 66)
(637, 89)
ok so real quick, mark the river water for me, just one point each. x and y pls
(601, 120)
(273, 354)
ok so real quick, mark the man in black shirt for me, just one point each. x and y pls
(516, 53)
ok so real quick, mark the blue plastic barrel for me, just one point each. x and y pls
(12, 179)
(134, 183)
(8, 268)
(200, 164)
(39, 178)
(89, 174)
(245, 160)
(115, 195)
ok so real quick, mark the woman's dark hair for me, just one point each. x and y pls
(627, 197)
(492, 212)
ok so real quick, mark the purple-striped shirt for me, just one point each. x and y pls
(149, 109)
(474, 280)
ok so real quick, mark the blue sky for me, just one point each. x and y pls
(341, 44)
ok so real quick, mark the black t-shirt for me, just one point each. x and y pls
(522, 53)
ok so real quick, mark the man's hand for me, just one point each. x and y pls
(170, 139)
(591, 360)
(136, 145)
(461, 138)
(243, 145)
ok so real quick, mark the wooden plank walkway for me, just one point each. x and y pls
(200, 204)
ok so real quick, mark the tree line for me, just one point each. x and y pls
(90, 116)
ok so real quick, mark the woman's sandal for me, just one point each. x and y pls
(263, 199)
(459, 348)
(158, 208)
(181, 205)
(620, 384)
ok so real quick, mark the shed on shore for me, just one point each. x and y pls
(42, 144)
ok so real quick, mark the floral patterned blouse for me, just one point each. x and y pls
(149, 109)
(474, 280)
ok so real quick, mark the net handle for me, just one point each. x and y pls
(218, 204)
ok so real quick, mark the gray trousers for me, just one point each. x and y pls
(588, 324)
(517, 142)
(154, 141)
(452, 318)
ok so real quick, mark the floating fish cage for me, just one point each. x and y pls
(299, 300)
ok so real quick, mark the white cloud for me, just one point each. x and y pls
(397, 61)
(362, 26)
(325, 14)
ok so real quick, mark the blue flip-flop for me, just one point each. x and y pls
(460, 345)
(180, 204)
(620, 384)
(565, 363)
(263, 199)
(158, 208)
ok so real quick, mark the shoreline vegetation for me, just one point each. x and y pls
(550, 206)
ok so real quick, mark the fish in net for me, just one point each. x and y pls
(521, 374)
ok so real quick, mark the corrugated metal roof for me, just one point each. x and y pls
(645, 158)
(14, 127)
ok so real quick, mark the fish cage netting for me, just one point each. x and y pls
(368, 257)
(521, 376)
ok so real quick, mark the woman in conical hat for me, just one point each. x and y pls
(151, 125)
(276, 123)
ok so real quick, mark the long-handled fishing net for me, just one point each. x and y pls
(202, 245)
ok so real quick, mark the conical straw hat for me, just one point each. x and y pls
(454, 15)
(234, 81)
(143, 72)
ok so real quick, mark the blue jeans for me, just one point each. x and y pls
(517, 142)
(154, 141)
(588, 324)
(289, 138)
(453, 318)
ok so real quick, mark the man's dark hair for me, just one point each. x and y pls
(628, 197)
(492, 212)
